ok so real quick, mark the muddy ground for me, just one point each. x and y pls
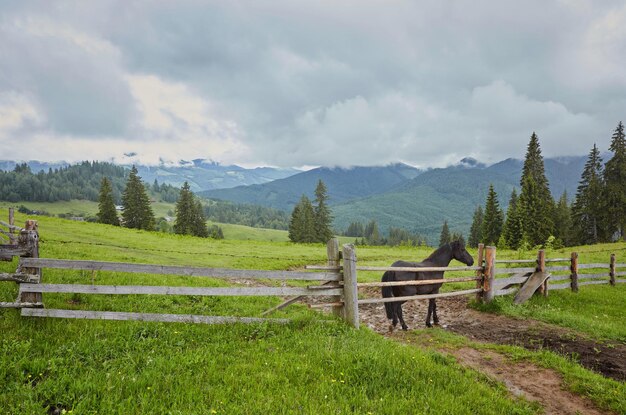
(607, 358)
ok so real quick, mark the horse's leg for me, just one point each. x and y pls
(435, 318)
(430, 311)
(404, 326)
(394, 308)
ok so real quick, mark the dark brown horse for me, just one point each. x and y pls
(440, 258)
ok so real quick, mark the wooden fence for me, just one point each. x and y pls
(336, 280)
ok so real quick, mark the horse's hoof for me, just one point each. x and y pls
(429, 325)
(405, 328)
(391, 327)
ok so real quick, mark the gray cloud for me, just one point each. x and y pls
(286, 83)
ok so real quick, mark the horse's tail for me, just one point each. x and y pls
(388, 292)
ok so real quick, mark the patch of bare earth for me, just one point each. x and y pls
(521, 378)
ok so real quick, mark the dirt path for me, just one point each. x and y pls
(607, 358)
(525, 379)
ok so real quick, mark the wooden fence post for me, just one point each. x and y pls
(541, 267)
(334, 260)
(11, 219)
(490, 274)
(29, 237)
(480, 273)
(350, 294)
(612, 270)
(574, 272)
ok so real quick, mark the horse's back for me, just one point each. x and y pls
(414, 275)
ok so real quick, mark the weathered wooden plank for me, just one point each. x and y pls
(167, 318)
(507, 291)
(323, 268)
(415, 282)
(416, 269)
(10, 250)
(480, 257)
(559, 278)
(591, 266)
(502, 283)
(163, 290)
(18, 277)
(618, 281)
(19, 305)
(560, 286)
(516, 261)
(612, 270)
(530, 286)
(177, 270)
(599, 282)
(513, 270)
(559, 268)
(558, 260)
(8, 225)
(418, 297)
(592, 276)
(350, 291)
(324, 305)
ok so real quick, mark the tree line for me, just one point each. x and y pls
(311, 223)
(137, 212)
(535, 218)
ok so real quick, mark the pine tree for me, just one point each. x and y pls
(588, 209)
(302, 223)
(184, 211)
(137, 212)
(323, 217)
(106, 206)
(536, 202)
(562, 222)
(190, 219)
(493, 219)
(512, 231)
(615, 185)
(444, 236)
(372, 234)
(476, 231)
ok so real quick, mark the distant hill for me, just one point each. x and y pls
(343, 184)
(201, 174)
(423, 203)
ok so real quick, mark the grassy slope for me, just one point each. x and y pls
(137, 367)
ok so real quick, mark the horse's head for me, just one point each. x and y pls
(460, 253)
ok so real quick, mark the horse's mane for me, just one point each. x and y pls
(439, 251)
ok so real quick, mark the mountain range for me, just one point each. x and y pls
(402, 196)
(200, 174)
(395, 195)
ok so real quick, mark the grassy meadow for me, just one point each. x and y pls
(314, 365)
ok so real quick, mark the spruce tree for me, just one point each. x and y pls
(476, 231)
(562, 222)
(184, 211)
(536, 202)
(323, 217)
(615, 185)
(137, 212)
(513, 225)
(444, 236)
(106, 206)
(190, 219)
(493, 219)
(372, 233)
(588, 209)
(302, 223)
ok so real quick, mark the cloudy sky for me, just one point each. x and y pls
(295, 83)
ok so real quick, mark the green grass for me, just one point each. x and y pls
(139, 367)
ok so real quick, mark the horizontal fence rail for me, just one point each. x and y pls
(163, 290)
(166, 318)
(417, 269)
(176, 270)
(415, 282)
(419, 297)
